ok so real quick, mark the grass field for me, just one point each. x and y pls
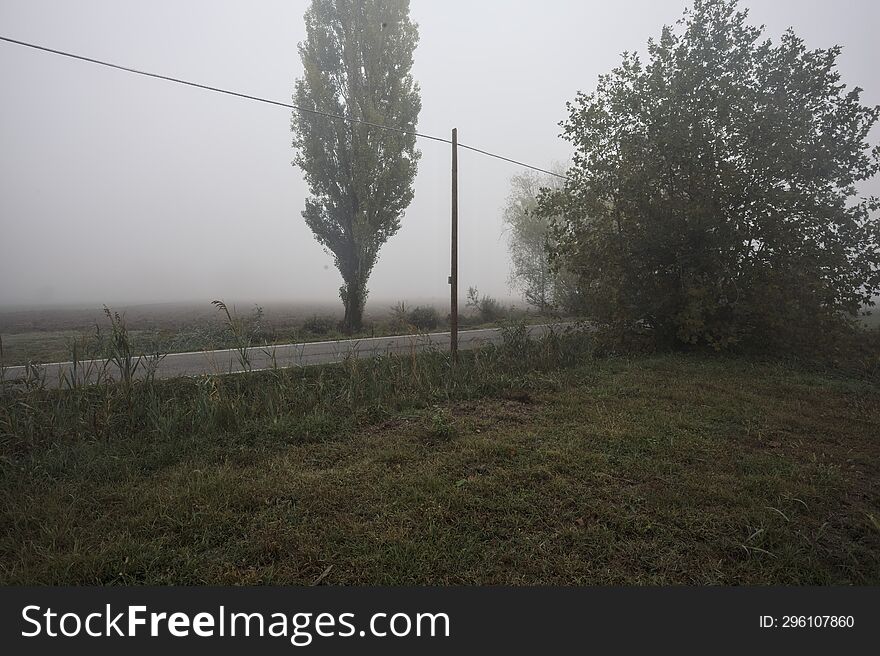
(538, 465)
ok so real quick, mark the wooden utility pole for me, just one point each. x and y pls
(453, 277)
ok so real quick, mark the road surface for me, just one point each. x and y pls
(226, 361)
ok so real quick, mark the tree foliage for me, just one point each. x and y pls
(530, 242)
(357, 60)
(713, 193)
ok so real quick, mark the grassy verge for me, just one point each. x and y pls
(527, 464)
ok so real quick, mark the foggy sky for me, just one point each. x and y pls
(119, 188)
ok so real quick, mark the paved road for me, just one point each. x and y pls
(266, 357)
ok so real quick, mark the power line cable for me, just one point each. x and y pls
(219, 90)
(512, 161)
(267, 101)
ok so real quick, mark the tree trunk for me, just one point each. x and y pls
(354, 296)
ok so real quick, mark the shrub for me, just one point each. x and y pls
(487, 308)
(399, 318)
(424, 317)
(318, 325)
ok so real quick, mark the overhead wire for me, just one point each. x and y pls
(298, 108)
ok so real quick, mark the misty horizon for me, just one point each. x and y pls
(122, 190)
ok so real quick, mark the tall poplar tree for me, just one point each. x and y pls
(357, 60)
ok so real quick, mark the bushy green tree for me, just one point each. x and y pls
(357, 60)
(713, 195)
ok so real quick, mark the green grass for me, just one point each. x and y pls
(535, 465)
